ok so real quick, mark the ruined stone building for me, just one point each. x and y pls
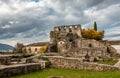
(34, 48)
(68, 41)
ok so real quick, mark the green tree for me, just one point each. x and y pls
(95, 26)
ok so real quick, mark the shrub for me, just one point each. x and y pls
(43, 48)
(92, 34)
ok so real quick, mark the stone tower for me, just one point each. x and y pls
(65, 37)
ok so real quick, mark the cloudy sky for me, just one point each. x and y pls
(30, 21)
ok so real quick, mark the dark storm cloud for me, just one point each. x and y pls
(27, 20)
(33, 19)
(6, 36)
(104, 3)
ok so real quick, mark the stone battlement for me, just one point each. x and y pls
(69, 28)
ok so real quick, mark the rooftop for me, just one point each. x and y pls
(38, 44)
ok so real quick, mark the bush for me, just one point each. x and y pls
(92, 34)
(43, 49)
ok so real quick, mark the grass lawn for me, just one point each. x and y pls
(69, 73)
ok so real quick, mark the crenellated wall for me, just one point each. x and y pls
(69, 28)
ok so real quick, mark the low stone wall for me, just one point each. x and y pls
(5, 60)
(19, 69)
(115, 42)
(74, 63)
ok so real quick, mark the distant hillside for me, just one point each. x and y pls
(5, 47)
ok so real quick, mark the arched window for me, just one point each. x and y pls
(90, 45)
(29, 49)
(70, 30)
(35, 49)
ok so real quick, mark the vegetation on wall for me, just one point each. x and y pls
(43, 48)
(92, 34)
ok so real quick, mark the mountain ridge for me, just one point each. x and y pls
(6, 47)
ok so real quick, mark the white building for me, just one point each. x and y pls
(35, 47)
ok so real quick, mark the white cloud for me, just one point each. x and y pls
(6, 26)
(30, 21)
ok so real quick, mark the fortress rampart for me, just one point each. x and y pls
(69, 28)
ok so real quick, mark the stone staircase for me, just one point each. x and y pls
(35, 59)
(117, 64)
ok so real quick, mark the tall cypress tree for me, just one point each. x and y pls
(95, 26)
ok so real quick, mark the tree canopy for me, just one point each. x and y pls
(18, 47)
(92, 34)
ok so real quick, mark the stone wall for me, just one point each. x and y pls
(92, 43)
(18, 69)
(88, 53)
(114, 42)
(74, 63)
(68, 41)
(5, 60)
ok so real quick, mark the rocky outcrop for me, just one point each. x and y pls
(112, 51)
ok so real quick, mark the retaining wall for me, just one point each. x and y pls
(18, 69)
(74, 63)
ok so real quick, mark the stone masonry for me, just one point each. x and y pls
(5, 60)
(75, 63)
(19, 69)
(67, 41)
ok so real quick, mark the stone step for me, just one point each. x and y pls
(117, 64)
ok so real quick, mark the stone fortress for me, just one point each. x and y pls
(68, 41)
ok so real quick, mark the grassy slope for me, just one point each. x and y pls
(68, 73)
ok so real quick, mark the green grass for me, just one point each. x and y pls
(69, 73)
(109, 62)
